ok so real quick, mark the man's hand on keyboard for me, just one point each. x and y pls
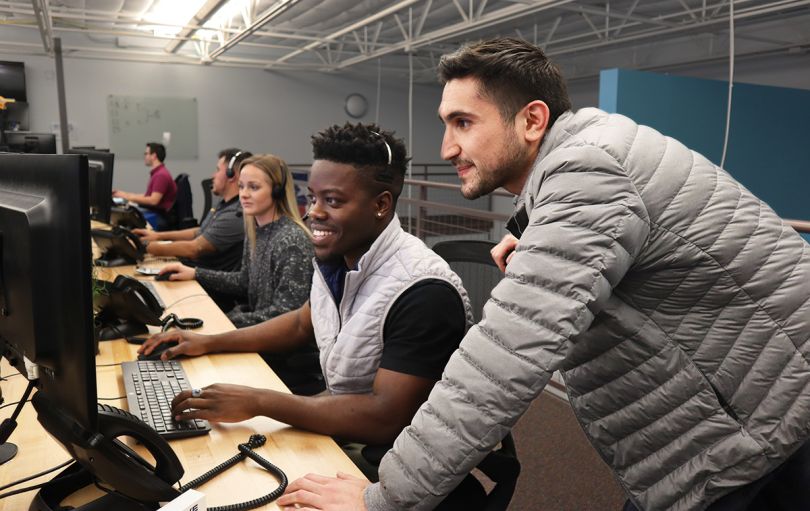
(188, 343)
(219, 402)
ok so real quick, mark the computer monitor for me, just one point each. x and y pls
(28, 142)
(46, 323)
(45, 293)
(101, 179)
(12, 80)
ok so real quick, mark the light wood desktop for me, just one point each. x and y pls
(296, 452)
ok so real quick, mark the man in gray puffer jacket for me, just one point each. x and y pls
(675, 303)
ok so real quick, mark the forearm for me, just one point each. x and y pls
(184, 235)
(186, 249)
(228, 282)
(282, 334)
(359, 418)
(144, 200)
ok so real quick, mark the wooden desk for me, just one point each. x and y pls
(294, 451)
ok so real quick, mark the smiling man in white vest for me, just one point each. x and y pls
(385, 311)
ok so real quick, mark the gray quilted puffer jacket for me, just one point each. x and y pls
(676, 304)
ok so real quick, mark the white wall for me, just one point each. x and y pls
(246, 108)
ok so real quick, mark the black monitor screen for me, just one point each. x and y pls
(46, 315)
(101, 180)
(28, 142)
(12, 80)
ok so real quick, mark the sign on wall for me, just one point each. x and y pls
(134, 121)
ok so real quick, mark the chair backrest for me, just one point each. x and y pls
(207, 186)
(471, 260)
(182, 213)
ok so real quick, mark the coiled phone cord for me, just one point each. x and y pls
(245, 451)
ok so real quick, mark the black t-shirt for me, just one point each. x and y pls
(423, 328)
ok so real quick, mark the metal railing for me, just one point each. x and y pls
(432, 208)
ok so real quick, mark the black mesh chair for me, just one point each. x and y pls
(181, 216)
(471, 260)
(207, 185)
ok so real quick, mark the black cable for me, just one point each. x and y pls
(184, 298)
(109, 365)
(8, 425)
(40, 474)
(23, 490)
(245, 451)
(10, 404)
(172, 319)
(110, 398)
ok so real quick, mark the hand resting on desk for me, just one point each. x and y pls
(188, 343)
(313, 491)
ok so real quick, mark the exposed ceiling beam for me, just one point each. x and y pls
(502, 15)
(751, 12)
(45, 24)
(273, 12)
(354, 26)
(208, 9)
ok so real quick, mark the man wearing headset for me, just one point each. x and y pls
(217, 243)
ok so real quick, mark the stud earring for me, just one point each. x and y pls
(379, 215)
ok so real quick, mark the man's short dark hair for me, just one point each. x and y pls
(365, 147)
(512, 73)
(228, 153)
(157, 149)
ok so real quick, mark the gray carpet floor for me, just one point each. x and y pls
(560, 470)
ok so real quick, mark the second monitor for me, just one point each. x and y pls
(100, 177)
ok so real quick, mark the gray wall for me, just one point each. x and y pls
(247, 108)
(275, 112)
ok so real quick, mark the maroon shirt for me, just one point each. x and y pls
(161, 181)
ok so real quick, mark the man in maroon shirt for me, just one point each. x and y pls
(160, 192)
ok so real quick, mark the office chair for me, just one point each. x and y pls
(181, 215)
(471, 261)
(207, 185)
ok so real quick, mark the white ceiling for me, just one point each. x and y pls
(583, 36)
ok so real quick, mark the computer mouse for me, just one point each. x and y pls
(160, 348)
(165, 276)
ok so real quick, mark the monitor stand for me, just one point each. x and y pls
(7, 452)
(74, 478)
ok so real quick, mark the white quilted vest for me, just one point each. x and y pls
(350, 334)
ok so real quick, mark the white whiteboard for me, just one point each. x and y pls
(134, 121)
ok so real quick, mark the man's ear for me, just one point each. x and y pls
(383, 204)
(533, 119)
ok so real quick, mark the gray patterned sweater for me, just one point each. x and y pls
(275, 278)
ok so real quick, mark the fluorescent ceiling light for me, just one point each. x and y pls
(226, 13)
(173, 15)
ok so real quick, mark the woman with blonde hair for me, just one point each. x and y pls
(276, 271)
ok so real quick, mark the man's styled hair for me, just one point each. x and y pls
(512, 73)
(376, 154)
(228, 154)
(157, 149)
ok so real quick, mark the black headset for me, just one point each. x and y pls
(229, 172)
(279, 189)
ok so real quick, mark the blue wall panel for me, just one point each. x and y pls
(769, 142)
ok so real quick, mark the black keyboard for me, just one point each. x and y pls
(151, 385)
